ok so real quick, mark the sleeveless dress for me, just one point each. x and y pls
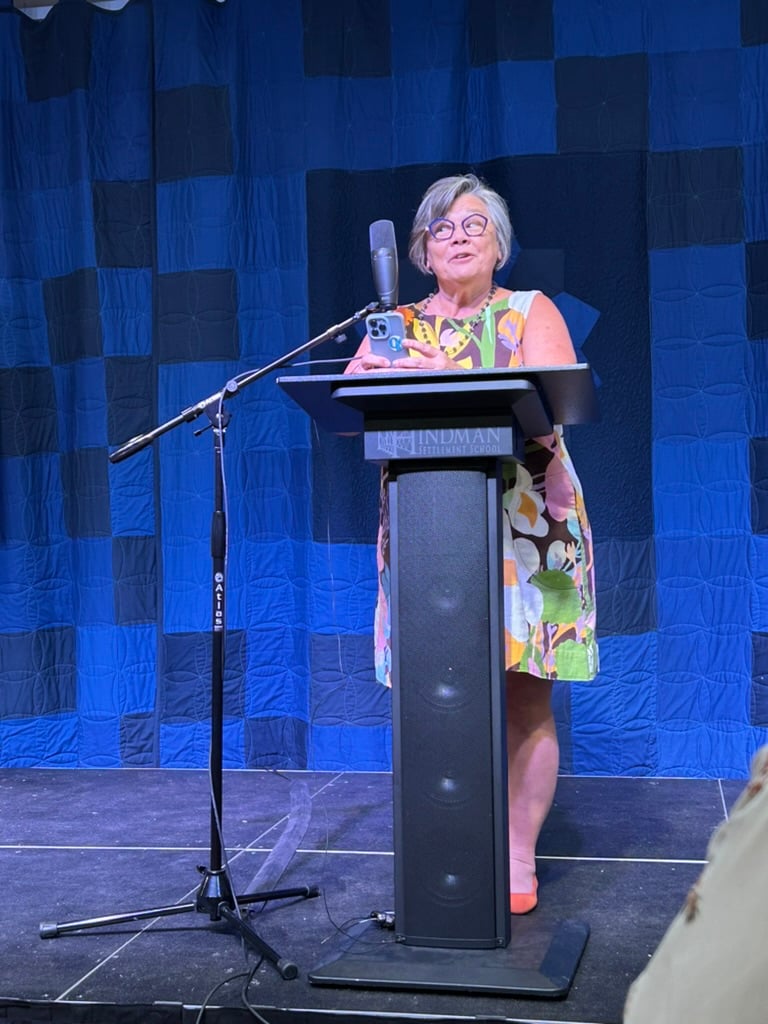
(549, 586)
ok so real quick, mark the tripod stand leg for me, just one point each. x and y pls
(287, 969)
(308, 892)
(50, 930)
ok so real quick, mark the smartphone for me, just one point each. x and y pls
(386, 333)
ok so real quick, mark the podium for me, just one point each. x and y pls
(444, 437)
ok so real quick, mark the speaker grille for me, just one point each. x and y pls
(445, 650)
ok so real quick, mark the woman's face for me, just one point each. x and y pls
(464, 258)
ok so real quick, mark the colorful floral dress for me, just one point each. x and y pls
(549, 586)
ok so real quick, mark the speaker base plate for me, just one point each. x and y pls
(540, 960)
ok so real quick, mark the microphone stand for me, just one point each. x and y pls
(215, 896)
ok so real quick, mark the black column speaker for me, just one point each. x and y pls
(450, 785)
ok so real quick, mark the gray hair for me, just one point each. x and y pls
(437, 201)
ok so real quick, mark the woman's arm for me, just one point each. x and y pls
(546, 341)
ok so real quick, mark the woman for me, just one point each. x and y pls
(461, 234)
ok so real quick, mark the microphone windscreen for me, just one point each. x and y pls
(382, 235)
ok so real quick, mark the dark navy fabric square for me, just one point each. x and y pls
(757, 289)
(759, 695)
(85, 486)
(130, 389)
(185, 675)
(695, 198)
(72, 309)
(276, 742)
(345, 492)
(602, 104)
(625, 571)
(348, 38)
(57, 51)
(754, 22)
(193, 132)
(123, 223)
(137, 740)
(501, 31)
(39, 672)
(197, 316)
(543, 269)
(344, 687)
(134, 580)
(758, 471)
(28, 420)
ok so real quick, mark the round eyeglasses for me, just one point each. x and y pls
(442, 229)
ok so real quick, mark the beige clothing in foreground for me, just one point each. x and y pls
(711, 967)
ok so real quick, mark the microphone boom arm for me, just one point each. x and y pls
(232, 387)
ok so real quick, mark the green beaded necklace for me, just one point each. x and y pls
(468, 325)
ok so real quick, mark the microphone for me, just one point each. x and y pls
(384, 262)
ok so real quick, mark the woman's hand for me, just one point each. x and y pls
(432, 358)
(366, 362)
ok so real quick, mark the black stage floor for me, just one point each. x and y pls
(617, 853)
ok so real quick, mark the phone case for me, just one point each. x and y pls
(386, 333)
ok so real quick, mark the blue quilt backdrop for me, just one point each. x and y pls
(185, 192)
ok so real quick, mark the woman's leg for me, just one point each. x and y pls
(533, 759)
